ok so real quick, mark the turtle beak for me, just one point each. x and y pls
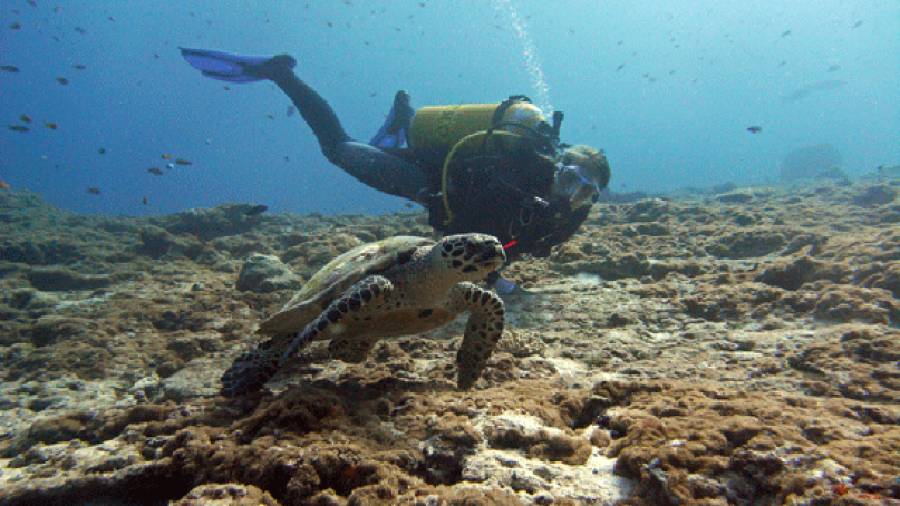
(493, 254)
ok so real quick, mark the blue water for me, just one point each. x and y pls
(696, 74)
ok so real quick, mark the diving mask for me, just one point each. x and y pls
(573, 183)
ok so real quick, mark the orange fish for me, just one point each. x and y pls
(51, 125)
(4, 185)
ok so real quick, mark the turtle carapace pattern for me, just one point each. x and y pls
(397, 286)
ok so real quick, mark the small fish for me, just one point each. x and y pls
(208, 142)
(9, 68)
(32, 3)
(226, 88)
(93, 190)
(101, 151)
(782, 64)
(857, 24)
(330, 24)
(19, 128)
(51, 125)
(110, 18)
(166, 156)
(270, 116)
(79, 66)
(182, 161)
(62, 80)
(785, 33)
(144, 200)
(287, 158)
(291, 110)
(170, 165)
(422, 4)
(620, 67)
(15, 26)
(25, 118)
(80, 30)
(373, 94)
(754, 129)
(834, 68)
(4, 185)
(155, 171)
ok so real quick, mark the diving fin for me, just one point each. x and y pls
(234, 68)
(392, 133)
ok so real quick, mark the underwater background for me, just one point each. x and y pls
(668, 90)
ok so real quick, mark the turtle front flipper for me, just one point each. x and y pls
(363, 296)
(250, 371)
(483, 330)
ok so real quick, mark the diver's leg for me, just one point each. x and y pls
(380, 170)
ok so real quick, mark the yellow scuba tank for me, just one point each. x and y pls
(439, 128)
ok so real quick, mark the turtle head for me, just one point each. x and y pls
(470, 257)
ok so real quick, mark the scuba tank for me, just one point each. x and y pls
(439, 128)
(455, 137)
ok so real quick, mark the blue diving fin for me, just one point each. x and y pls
(231, 67)
(392, 133)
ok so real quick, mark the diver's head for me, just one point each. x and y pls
(581, 173)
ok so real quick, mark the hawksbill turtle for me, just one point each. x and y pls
(397, 286)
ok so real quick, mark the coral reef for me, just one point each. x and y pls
(730, 347)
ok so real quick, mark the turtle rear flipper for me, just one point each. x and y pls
(483, 330)
(250, 371)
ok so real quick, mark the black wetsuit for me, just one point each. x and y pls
(499, 201)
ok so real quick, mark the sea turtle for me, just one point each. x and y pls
(397, 286)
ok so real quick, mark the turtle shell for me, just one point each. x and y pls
(335, 278)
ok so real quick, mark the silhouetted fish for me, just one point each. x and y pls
(9, 68)
(785, 33)
(19, 128)
(62, 80)
(755, 129)
(79, 66)
(182, 161)
(15, 25)
(25, 118)
(809, 89)
(93, 190)
(857, 24)
(155, 171)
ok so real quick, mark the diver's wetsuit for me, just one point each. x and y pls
(500, 201)
(373, 166)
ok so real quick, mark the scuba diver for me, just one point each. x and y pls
(498, 169)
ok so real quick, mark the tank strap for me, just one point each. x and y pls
(501, 109)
